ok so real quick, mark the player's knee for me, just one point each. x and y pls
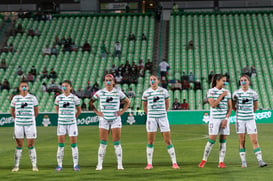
(30, 145)
(168, 142)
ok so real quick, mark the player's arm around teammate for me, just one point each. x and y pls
(66, 104)
(24, 109)
(245, 103)
(155, 102)
(109, 118)
(220, 110)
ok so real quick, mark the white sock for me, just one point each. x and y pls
(118, 151)
(101, 153)
(17, 156)
(75, 154)
(222, 151)
(258, 154)
(60, 154)
(171, 152)
(33, 156)
(243, 154)
(207, 150)
(150, 152)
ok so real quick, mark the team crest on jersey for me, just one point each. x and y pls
(250, 94)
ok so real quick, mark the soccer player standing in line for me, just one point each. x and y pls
(155, 101)
(66, 104)
(24, 109)
(219, 99)
(245, 103)
(109, 118)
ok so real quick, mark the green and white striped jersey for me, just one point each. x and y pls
(156, 102)
(67, 108)
(24, 109)
(220, 111)
(244, 101)
(109, 102)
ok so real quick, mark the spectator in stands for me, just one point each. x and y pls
(33, 70)
(46, 51)
(149, 65)
(86, 46)
(246, 71)
(184, 77)
(11, 49)
(127, 67)
(158, 11)
(83, 106)
(164, 67)
(30, 32)
(131, 37)
(177, 85)
(49, 17)
(253, 70)
(140, 68)
(67, 47)
(30, 77)
(57, 41)
(95, 87)
(52, 87)
(52, 74)
(133, 78)
(134, 69)
(44, 74)
(19, 71)
(143, 37)
(103, 50)
(185, 84)
(131, 93)
(190, 45)
(126, 76)
(191, 77)
(227, 76)
(113, 70)
(176, 105)
(5, 48)
(211, 74)
(74, 47)
(184, 105)
(19, 28)
(37, 32)
(118, 78)
(164, 82)
(44, 87)
(54, 50)
(5, 85)
(80, 93)
(127, 9)
(88, 90)
(121, 69)
(175, 8)
(69, 40)
(63, 40)
(3, 64)
(197, 85)
(117, 49)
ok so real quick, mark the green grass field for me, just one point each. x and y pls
(189, 142)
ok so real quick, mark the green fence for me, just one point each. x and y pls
(175, 117)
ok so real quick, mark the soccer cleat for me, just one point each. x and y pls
(148, 167)
(175, 166)
(244, 165)
(58, 168)
(120, 167)
(262, 163)
(15, 169)
(221, 165)
(99, 167)
(202, 164)
(35, 169)
(76, 168)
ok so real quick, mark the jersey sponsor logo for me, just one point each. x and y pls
(109, 99)
(66, 104)
(156, 98)
(23, 105)
(245, 101)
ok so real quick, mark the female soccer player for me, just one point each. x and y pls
(66, 104)
(155, 101)
(24, 109)
(219, 99)
(245, 103)
(109, 118)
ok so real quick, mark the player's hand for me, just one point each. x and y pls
(100, 114)
(224, 123)
(224, 93)
(119, 113)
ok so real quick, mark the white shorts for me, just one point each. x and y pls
(28, 132)
(215, 127)
(162, 123)
(71, 130)
(106, 124)
(248, 127)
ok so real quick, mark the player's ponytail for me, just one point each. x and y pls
(215, 78)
